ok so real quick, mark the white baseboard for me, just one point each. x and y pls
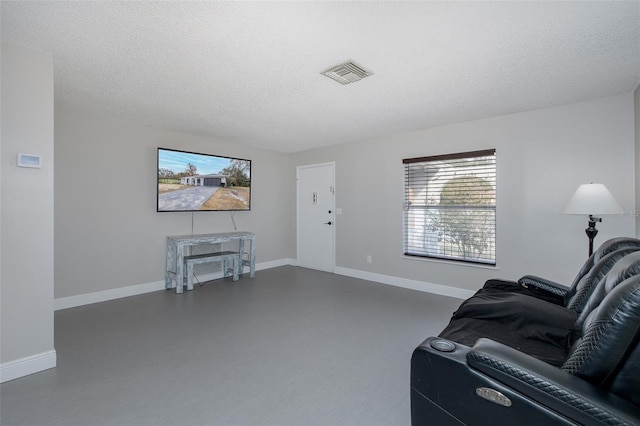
(443, 290)
(29, 365)
(103, 296)
(275, 264)
(117, 293)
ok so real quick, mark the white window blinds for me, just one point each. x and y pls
(450, 207)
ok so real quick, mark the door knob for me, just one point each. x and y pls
(327, 223)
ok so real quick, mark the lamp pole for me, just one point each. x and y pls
(592, 231)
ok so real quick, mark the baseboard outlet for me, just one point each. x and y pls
(440, 289)
(28, 365)
(117, 293)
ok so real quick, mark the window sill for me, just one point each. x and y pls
(451, 262)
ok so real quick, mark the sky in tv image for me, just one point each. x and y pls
(177, 162)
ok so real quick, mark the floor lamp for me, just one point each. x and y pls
(593, 199)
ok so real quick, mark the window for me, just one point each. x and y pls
(450, 207)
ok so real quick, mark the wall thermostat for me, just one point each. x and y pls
(29, 160)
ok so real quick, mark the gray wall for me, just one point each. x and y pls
(26, 230)
(543, 156)
(636, 212)
(108, 233)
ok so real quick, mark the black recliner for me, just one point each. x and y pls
(493, 384)
(535, 326)
(560, 294)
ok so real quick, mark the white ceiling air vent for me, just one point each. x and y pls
(347, 73)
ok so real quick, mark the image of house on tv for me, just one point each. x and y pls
(204, 180)
(189, 181)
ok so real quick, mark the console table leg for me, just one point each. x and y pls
(180, 268)
(171, 266)
(252, 258)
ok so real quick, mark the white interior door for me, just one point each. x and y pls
(316, 216)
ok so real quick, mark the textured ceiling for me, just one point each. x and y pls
(250, 72)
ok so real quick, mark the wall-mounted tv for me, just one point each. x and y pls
(189, 181)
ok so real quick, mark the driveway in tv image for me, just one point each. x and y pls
(186, 199)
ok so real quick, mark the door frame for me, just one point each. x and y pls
(333, 212)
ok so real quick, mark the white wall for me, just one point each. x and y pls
(542, 155)
(108, 233)
(26, 287)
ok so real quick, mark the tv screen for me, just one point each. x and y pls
(188, 181)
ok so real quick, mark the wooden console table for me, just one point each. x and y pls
(176, 251)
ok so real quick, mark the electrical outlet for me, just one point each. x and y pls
(369, 258)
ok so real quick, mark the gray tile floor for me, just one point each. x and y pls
(291, 347)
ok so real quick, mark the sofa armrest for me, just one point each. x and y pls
(550, 386)
(543, 284)
(549, 287)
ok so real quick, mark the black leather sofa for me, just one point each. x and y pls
(535, 326)
(485, 382)
(560, 294)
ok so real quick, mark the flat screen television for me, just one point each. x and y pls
(190, 181)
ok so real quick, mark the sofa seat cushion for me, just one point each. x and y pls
(533, 326)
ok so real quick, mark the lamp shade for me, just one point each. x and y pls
(593, 199)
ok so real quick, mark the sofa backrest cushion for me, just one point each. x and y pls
(607, 354)
(619, 271)
(589, 282)
(604, 249)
